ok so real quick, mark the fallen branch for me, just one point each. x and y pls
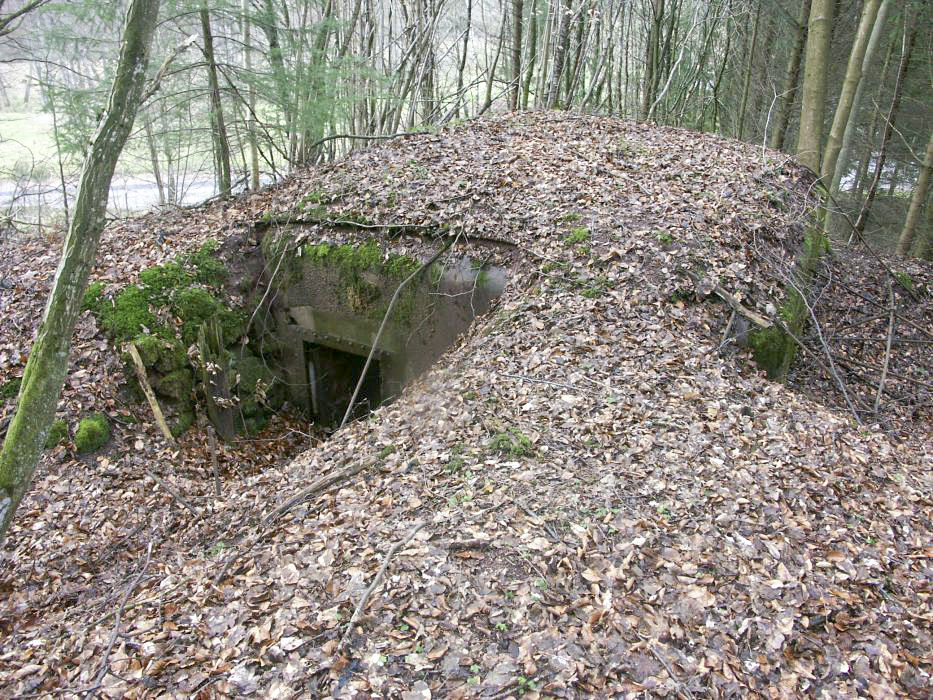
(887, 350)
(321, 484)
(736, 305)
(150, 394)
(372, 587)
(173, 493)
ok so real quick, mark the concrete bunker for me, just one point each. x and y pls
(330, 303)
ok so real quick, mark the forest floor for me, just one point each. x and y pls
(593, 493)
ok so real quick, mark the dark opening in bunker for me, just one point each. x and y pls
(332, 378)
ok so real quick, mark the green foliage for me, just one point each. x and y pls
(57, 434)
(207, 268)
(93, 297)
(664, 237)
(128, 315)
(10, 389)
(511, 442)
(577, 235)
(163, 281)
(93, 433)
(195, 306)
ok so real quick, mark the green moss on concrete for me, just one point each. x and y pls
(207, 269)
(93, 433)
(128, 316)
(181, 424)
(161, 354)
(57, 434)
(195, 306)
(163, 281)
(176, 386)
(769, 346)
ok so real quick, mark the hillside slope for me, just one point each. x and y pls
(585, 496)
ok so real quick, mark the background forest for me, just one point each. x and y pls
(241, 92)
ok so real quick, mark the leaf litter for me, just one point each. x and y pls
(659, 520)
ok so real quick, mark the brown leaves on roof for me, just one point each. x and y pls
(612, 505)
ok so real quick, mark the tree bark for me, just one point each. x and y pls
(792, 76)
(218, 128)
(906, 238)
(849, 88)
(560, 52)
(812, 105)
(908, 46)
(48, 362)
(517, 10)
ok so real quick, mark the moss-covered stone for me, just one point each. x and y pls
(93, 433)
(206, 267)
(57, 434)
(196, 306)
(769, 346)
(159, 354)
(183, 421)
(128, 316)
(164, 281)
(176, 385)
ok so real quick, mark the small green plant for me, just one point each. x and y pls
(664, 237)
(386, 451)
(905, 281)
(511, 442)
(577, 235)
(501, 626)
(525, 685)
(93, 433)
(541, 584)
(218, 548)
(569, 217)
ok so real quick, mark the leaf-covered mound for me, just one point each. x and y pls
(586, 496)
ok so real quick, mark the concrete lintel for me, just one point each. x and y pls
(353, 335)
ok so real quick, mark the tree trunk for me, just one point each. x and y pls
(218, 129)
(849, 88)
(651, 57)
(48, 362)
(748, 74)
(842, 160)
(560, 52)
(792, 76)
(906, 238)
(517, 8)
(908, 46)
(532, 52)
(812, 105)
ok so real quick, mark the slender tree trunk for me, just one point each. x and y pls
(560, 52)
(906, 238)
(651, 57)
(813, 103)
(849, 88)
(517, 10)
(251, 101)
(532, 49)
(842, 159)
(218, 128)
(48, 362)
(463, 57)
(752, 50)
(908, 46)
(791, 78)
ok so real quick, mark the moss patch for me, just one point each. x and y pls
(93, 433)
(57, 434)
(769, 346)
(10, 389)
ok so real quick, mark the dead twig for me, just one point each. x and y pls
(174, 493)
(887, 350)
(104, 667)
(376, 581)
